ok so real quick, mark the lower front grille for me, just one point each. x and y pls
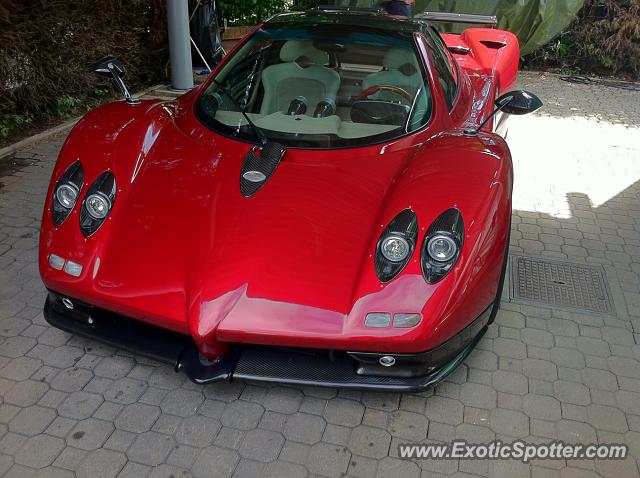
(115, 330)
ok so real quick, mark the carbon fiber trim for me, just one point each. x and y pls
(258, 166)
(105, 184)
(404, 224)
(73, 175)
(281, 366)
(450, 223)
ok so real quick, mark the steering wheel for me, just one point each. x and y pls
(392, 88)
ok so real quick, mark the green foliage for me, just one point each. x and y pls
(11, 123)
(66, 105)
(48, 47)
(602, 39)
(99, 97)
(534, 22)
(250, 12)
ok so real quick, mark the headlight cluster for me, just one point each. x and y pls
(395, 248)
(97, 202)
(396, 245)
(440, 250)
(98, 206)
(66, 193)
(442, 245)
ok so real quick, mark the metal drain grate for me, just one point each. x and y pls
(564, 284)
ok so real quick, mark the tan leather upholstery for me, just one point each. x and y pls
(302, 73)
(400, 69)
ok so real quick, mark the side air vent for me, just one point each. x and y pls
(494, 44)
(258, 166)
(459, 49)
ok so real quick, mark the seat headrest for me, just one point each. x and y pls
(294, 49)
(396, 58)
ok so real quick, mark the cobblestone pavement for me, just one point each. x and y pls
(72, 407)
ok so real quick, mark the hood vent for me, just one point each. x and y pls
(258, 166)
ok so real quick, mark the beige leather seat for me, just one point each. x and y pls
(302, 73)
(400, 69)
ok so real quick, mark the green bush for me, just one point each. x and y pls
(250, 12)
(603, 39)
(49, 46)
(11, 123)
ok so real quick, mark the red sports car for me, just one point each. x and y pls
(331, 207)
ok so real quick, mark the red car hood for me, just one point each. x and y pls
(184, 228)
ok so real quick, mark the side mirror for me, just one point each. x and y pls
(108, 66)
(112, 67)
(518, 102)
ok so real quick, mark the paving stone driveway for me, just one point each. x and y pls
(72, 407)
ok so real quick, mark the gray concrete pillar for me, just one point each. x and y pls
(179, 44)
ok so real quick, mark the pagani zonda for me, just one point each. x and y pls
(332, 206)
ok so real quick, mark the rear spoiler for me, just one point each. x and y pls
(490, 20)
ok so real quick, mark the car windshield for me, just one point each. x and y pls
(323, 86)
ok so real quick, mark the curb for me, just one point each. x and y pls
(12, 148)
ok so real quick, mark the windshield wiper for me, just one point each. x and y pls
(262, 138)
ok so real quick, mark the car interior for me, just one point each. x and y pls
(323, 89)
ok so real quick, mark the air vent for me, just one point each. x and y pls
(494, 44)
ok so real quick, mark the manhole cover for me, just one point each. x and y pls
(564, 284)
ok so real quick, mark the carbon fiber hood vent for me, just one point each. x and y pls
(258, 166)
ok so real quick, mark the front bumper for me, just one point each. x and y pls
(411, 372)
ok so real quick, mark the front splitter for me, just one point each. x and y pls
(256, 363)
(307, 368)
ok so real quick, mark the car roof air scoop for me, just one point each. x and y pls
(259, 164)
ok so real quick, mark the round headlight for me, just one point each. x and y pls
(442, 248)
(395, 248)
(67, 194)
(98, 206)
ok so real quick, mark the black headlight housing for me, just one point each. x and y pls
(404, 228)
(103, 191)
(69, 184)
(446, 232)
